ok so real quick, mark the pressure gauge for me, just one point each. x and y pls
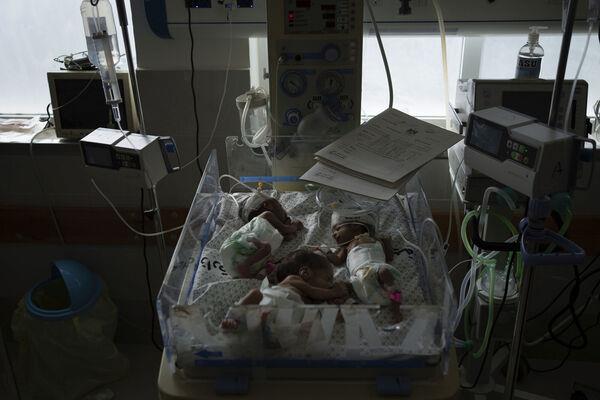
(293, 83)
(330, 82)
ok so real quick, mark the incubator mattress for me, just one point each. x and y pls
(214, 290)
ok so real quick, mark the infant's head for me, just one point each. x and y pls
(347, 223)
(345, 232)
(312, 267)
(258, 203)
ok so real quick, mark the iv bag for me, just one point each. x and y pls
(102, 43)
(98, 20)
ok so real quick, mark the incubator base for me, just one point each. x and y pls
(174, 387)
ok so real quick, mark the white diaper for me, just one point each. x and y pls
(364, 262)
(280, 296)
(238, 247)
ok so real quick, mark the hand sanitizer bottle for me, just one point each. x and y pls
(529, 62)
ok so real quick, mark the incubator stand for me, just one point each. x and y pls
(338, 350)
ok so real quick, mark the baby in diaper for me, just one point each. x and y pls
(373, 280)
(246, 253)
(304, 277)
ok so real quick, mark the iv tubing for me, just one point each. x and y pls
(442, 26)
(490, 319)
(132, 229)
(572, 96)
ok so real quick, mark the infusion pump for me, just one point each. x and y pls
(315, 62)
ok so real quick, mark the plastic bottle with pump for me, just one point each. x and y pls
(529, 62)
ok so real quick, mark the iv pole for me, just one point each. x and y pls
(122, 14)
(515, 353)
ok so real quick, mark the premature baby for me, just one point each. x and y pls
(373, 280)
(304, 277)
(246, 252)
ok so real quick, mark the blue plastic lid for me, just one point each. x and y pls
(83, 289)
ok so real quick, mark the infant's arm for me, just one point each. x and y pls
(386, 242)
(338, 257)
(312, 292)
(283, 227)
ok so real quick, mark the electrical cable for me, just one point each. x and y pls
(45, 195)
(383, 55)
(569, 350)
(221, 101)
(572, 96)
(148, 282)
(487, 349)
(131, 228)
(564, 289)
(546, 336)
(12, 368)
(48, 114)
(573, 296)
(193, 88)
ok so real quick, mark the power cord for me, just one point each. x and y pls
(193, 88)
(573, 296)
(383, 55)
(569, 350)
(564, 289)
(148, 282)
(223, 94)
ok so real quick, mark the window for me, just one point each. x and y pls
(499, 57)
(32, 34)
(416, 68)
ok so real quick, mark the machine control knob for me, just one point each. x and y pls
(331, 53)
(293, 116)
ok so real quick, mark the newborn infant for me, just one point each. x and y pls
(246, 252)
(373, 280)
(304, 277)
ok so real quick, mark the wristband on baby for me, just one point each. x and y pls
(396, 297)
(270, 266)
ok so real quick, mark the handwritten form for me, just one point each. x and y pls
(328, 176)
(388, 147)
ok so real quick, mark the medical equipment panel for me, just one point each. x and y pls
(79, 105)
(528, 96)
(521, 153)
(315, 61)
(143, 159)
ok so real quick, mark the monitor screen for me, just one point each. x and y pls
(485, 136)
(82, 106)
(535, 104)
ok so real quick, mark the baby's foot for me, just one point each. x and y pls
(386, 278)
(230, 324)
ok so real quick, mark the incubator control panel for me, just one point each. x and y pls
(315, 60)
(320, 16)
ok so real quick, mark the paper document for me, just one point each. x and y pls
(325, 175)
(388, 147)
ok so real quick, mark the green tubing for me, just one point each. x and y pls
(488, 328)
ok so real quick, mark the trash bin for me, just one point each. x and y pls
(65, 328)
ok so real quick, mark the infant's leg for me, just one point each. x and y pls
(253, 297)
(386, 278)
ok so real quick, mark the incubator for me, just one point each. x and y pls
(314, 342)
